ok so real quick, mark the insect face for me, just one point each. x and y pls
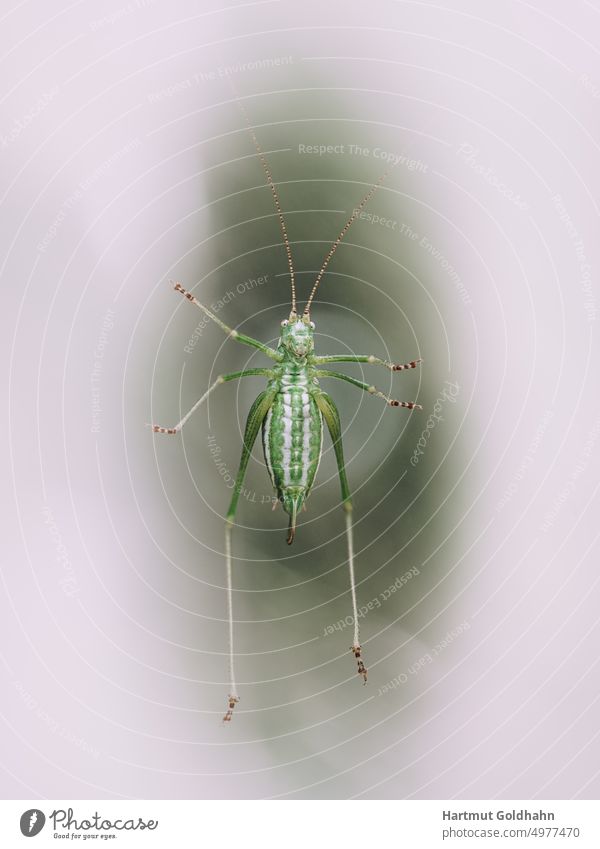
(297, 336)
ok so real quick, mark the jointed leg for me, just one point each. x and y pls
(372, 390)
(364, 358)
(223, 378)
(332, 419)
(256, 415)
(239, 337)
(233, 697)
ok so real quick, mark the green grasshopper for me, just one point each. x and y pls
(290, 412)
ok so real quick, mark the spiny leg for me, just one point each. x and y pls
(332, 419)
(256, 415)
(355, 648)
(372, 390)
(222, 378)
(239, 337)
(365, 358)
(233, 697)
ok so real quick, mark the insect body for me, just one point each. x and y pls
(292, 430)
(290, 412)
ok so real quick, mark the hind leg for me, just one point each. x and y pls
(256, 415)
(332, 419)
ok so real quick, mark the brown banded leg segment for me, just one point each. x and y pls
(410, 405)
(233, 700)
(412, 364)
(362, 669)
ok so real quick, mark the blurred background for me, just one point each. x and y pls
(127, 162)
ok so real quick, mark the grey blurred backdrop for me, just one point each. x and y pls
(126, 162)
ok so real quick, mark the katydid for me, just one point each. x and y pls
(290, 412)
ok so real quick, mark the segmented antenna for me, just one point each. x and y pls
(334, 247)
(265, 165)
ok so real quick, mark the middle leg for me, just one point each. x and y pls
(365, 358)
(372, 390)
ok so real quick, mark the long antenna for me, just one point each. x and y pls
(265, 165)
(334, 247)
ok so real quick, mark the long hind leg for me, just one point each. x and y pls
(332, 419)
(256, 415)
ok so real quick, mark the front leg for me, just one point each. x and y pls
(239, 337)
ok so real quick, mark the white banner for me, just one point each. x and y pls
(302, 824)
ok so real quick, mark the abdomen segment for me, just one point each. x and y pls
(292, 436)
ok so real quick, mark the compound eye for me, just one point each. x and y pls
(285, 322)
(312, 325)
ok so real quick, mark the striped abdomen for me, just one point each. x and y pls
(292, 436)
